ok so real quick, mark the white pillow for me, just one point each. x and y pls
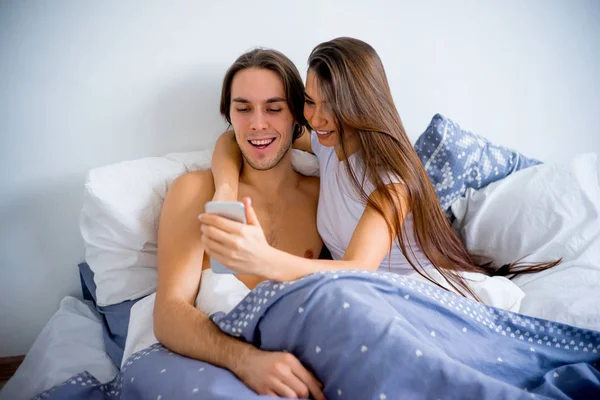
(219, 292)
(119, 219)
(495, 291)
(541, 214)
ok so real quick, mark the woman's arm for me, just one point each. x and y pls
(303, 142)
(244, 248)
(369, 245)
(226, 165)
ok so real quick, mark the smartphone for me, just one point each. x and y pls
(233, 210)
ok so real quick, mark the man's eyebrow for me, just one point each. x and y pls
(268, 101)
(275, 100)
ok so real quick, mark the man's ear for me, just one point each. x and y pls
(297, 130)
(230, 128)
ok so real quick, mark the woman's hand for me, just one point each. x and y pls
(243, 248)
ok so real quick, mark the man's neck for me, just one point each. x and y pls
(274, 181)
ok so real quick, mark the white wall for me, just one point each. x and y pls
(86, 83)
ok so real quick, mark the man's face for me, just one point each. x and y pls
(261, 118)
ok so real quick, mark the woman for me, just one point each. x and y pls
(377, 207)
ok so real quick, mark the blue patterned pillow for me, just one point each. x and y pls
(456, 159)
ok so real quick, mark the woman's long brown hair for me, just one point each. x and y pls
(352, 80)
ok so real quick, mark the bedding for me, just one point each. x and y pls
(543, 213)
(456, 159)
(119, 231)
(141, 323)
(223, 292)
(375, 335)
(70, 342)
(434, 333)
(115, 317)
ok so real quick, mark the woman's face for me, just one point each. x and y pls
(318, 113)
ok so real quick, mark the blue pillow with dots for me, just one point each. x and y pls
(456, 160)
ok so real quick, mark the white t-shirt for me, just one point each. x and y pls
(340, 209)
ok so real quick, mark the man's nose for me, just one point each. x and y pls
(258, 121)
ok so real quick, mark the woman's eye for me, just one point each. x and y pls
(241, 110)
(275, 110)
(309, 102)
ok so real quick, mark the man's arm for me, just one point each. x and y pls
(186, 330)
(177, 323)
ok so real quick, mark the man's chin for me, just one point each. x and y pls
(267, 161)
(262, 165)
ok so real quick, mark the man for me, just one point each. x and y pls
(262, 98)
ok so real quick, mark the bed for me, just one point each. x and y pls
(70, 342)
(505, 206)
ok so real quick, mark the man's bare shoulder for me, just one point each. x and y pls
(196, 184)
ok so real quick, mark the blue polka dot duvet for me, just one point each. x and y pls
(373, 335)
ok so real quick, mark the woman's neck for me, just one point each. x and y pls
(351, 145)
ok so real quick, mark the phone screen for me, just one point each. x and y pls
(233, 210)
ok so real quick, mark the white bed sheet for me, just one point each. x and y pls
(218, 292)
(568, 293)
(70, 343)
